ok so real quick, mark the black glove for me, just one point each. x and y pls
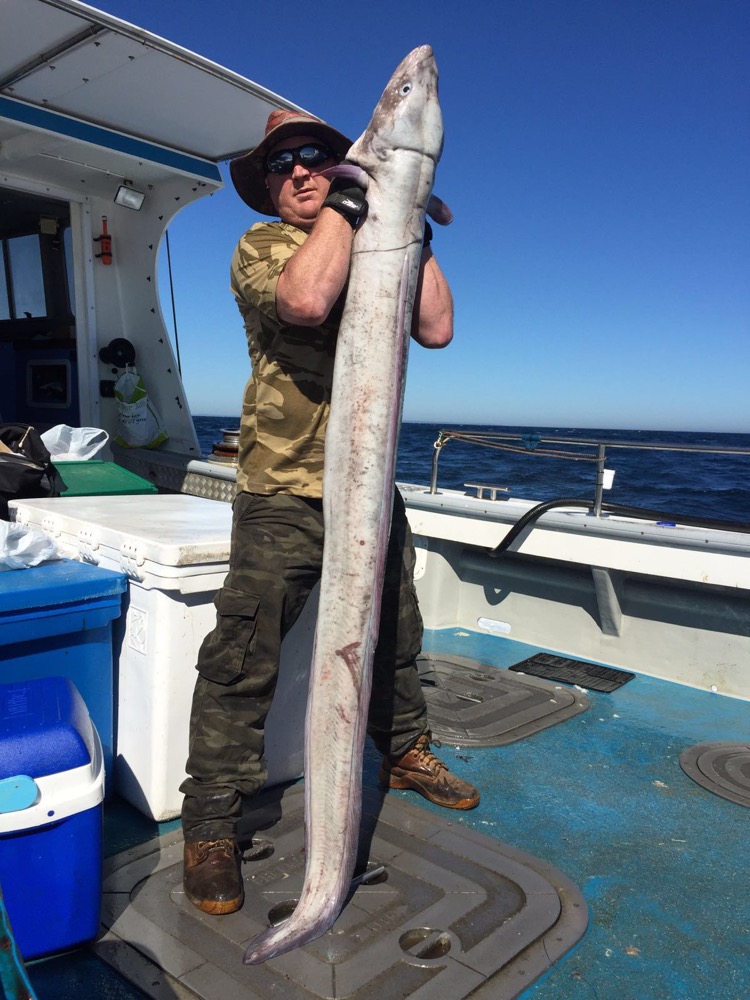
(348, 199)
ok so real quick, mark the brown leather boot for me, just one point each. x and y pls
(212, 876)
(420, 770)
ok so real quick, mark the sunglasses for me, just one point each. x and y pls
(312, 154)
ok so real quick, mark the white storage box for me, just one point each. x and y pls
(174, 550)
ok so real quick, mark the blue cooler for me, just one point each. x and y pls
(51, 792)
(56, 620)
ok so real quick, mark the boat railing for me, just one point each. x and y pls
(576, 449)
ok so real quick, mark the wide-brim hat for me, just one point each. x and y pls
(248, 172)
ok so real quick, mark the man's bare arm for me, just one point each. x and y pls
(313, 279)
(432, 318)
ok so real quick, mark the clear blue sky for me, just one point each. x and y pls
(597, 162)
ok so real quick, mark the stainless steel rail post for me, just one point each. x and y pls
(438, 446)
(600, 456)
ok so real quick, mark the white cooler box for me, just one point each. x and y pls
(174, 550)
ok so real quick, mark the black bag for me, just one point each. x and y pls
(28, 470)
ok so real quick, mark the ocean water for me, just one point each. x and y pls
(691, 483)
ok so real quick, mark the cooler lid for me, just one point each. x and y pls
(44, 728)
(53, 584)
(170, 530)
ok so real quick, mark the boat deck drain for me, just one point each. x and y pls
(722, 768)
(562, 668)
(471, 704)
(457, 914)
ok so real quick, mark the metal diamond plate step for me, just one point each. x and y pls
(454, 914)
(722, 768)
(472, 704)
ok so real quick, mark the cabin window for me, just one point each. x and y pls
(23, 295)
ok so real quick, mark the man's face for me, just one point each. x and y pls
(298, 196)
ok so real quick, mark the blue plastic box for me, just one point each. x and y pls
(56, 619)
(51, 792)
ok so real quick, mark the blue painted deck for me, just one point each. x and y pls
(661, 862)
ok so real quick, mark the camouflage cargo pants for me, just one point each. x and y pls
(275, 561)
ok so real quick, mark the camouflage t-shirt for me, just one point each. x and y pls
(287, 398)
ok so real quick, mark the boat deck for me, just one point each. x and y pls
(599, 797)
(661, 861)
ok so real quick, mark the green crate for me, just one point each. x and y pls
(94, 479)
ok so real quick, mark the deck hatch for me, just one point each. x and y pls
(472, 704)
(722, 768)
(458, 913)
(587, 675)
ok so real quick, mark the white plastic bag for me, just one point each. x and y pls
(139, 423)
(70, 444)
(21, 547)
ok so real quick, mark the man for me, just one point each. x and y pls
(289, 280)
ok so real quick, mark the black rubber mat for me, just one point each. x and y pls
(472, 704)
(453, 913)
(586, 675)
(722, 768)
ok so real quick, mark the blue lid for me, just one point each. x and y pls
(57, 583)
(44, 728)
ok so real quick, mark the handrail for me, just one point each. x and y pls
(538, 445)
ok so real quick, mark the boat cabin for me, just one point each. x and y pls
(106, 132)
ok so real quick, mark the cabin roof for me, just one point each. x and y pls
(66, 57)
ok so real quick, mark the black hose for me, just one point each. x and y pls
(641, 513)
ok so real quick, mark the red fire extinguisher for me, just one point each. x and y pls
(105, 243)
